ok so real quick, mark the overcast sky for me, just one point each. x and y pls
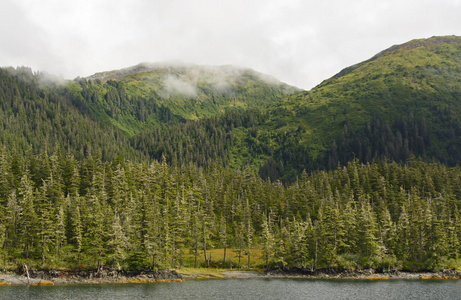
(300, 42)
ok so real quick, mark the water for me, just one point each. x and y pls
(246, 289)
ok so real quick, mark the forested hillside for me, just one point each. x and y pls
(147, 96)
(34, 117)
(153, 166)
(404, 101)
(99, 114)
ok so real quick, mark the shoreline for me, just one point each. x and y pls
(52, 277)
(104, 276)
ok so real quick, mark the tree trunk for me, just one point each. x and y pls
(99, 260)
(248, 256)
(204, 243)
(196, 253)
(224, 259)
(15, 229)
(420, 245)
(441, 262)
(336, 242)
(154, 253)
(43, 250)
(240, 254)
(316, 249)
(59, 245)
(113, 259)
(382, 248)
(173, 259)
(382, 258)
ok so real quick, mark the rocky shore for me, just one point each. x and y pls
(343, 274)
(359, 274)
(52, 277)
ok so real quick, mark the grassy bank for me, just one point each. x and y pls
(214, 265)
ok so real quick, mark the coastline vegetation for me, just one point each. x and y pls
(59, 213)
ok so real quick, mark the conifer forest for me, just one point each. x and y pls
(57, 211)
(120, 170)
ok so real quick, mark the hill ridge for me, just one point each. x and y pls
(415, 43)
(180, 67)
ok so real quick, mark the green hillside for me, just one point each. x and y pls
(149, 95)
(422, 76)
(404, 101)
(35, 118)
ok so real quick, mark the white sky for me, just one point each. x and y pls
(300, 42)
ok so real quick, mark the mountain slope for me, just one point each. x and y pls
(33, 116)
(404, 101)
(417, 85)
(148, 95)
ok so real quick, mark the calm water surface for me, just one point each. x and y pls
(247, 289)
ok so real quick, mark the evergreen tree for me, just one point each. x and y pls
(46, 221)
(222, 234)
(27, 220)
(76, 232)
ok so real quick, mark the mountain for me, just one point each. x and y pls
(148, 95)
(404, 101)
(98, 114)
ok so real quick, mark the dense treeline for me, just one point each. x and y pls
(33, 116)
(112, 105)
(240, 138)
(234, 139)
(56, 211)
(203, 142)
(399, 141)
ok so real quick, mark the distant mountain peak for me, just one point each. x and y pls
(181, 68)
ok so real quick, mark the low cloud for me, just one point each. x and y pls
(299, 42)
(175, 86)
(190, 80)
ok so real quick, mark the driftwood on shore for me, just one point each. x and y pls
(26, 270)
